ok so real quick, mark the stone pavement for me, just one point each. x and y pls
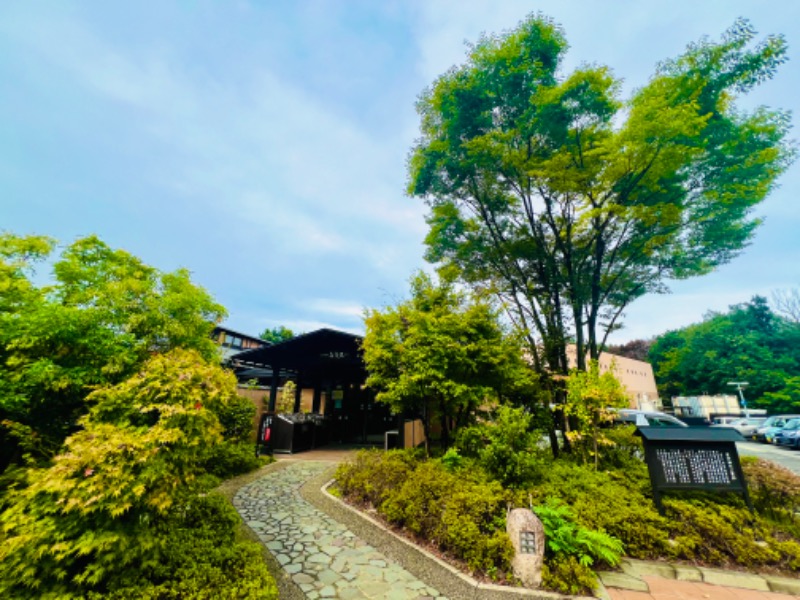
(323, 557)
(670, 589)
(645, 580)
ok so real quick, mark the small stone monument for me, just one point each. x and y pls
(527, 536)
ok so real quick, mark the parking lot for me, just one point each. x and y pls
(783, 456)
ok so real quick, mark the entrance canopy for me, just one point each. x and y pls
(320, 354)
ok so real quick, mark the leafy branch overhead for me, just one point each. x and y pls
(570, 202)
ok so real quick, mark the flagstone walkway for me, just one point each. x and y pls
(322, 556)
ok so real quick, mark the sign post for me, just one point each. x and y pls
(693, 459)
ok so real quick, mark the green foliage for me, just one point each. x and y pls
(774, 490)
(563, 573)
(452, 460)
(102, 316)
(747, 343)
(442, 353)
(714, 533)
(198, 557)
(615, 502)
(228, 459)
(276, 335)
(591, 400)
(504, 446)
(285, 401)
(236, 418)
(107, 507)
(460, 512)
(372, 475)
(570, 203)
(564, 536)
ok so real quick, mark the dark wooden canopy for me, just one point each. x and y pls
(322, 353)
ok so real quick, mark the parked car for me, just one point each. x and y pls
(747, 426)
(772, 424)
(720, 421)
(789, 434)
(777, 425)
(653, 419)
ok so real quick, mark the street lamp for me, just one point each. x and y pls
(740, 385)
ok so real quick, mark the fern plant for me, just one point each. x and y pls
(564, 536)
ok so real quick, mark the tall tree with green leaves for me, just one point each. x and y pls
(442, 354)
(569, 202)
(102, 314)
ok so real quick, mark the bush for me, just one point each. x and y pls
(199, 557)
(774, 490)
(505, 447)
(122, 505)
(230, 458)
(461, 512)
(372, 475)
(563, 573)
(236, 418)
(718, 534)
(616, 502)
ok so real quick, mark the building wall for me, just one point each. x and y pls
(635, 375)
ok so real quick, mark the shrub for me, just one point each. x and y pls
(505, 447)
(198, 556)
(563, 573)
(127, 492)
(714, 533)
(774, 490)
(372, 475)
(616, 502)
(461, 512)
(230, 458)
(236, 418)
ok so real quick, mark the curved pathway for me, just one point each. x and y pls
(322, 556)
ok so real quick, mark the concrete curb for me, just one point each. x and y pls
(484, 589)
(633, 572)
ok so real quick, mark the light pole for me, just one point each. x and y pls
(740, 385)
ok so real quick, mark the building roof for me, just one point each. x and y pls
(315, 353)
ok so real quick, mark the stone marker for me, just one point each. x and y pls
(527, 536)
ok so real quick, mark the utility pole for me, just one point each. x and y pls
(740, 385)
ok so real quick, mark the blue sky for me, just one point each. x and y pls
(262, 145)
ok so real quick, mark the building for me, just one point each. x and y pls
(636, 376)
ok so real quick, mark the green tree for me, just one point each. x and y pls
(103, 314)
(747, 343)
(108, 511)
(592, 398)
(276, 335)
(570, 203)
(442, 354)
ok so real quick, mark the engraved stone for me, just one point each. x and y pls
(527, 536)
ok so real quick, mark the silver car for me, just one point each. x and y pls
(747, 426)
(651, 418)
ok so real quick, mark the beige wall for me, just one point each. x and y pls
(635, 375)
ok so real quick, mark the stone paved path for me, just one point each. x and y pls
(323, 557)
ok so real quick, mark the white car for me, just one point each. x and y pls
(747, 426)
